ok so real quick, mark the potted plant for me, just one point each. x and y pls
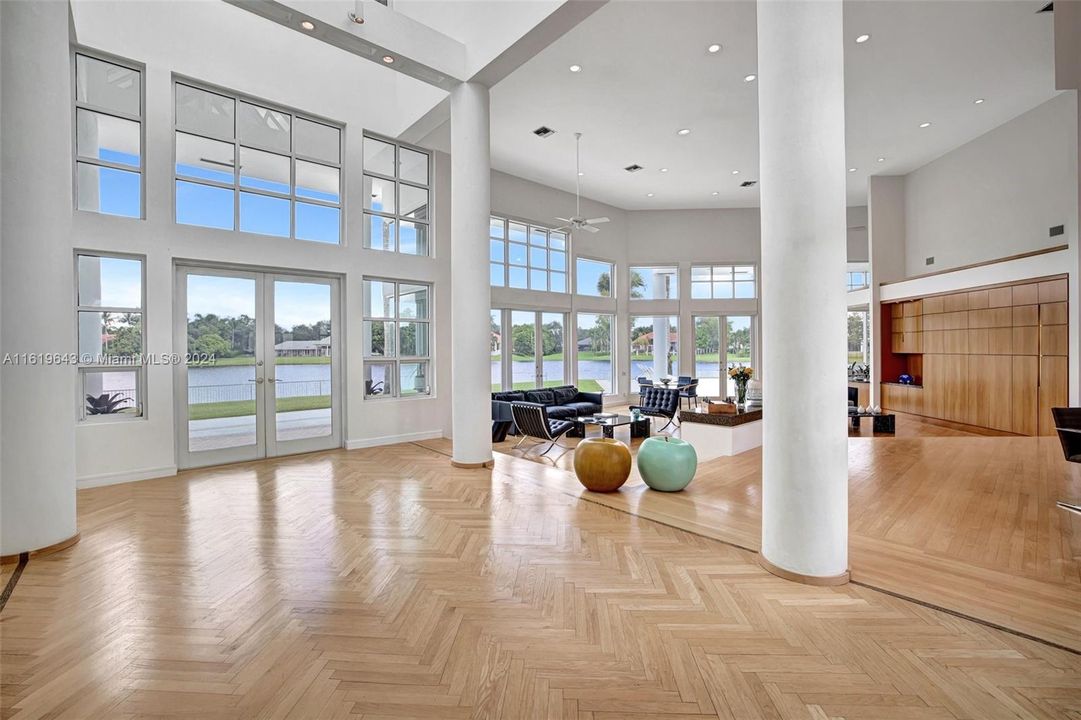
(741, 375)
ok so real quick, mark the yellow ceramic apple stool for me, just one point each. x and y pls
(602, 464)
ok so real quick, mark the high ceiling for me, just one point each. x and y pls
(646, 73)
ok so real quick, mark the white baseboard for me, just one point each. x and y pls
(393, 439)
(91, 481)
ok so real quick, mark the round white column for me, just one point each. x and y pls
(37, 315)
(802, 172)
(470, 207)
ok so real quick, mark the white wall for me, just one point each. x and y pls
(997, 195)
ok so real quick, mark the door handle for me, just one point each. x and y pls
(256, 380)
(271, 380)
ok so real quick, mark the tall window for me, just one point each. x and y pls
(654, 347)
(596, 371)
(245, 165)
(397, 338)
(593, 277)
(859, 337)
(526, 256)
(396, 197)
(738, 346)
(109, 317)
(858, 279)
(108, 137)
(722, 282)
(654, 283)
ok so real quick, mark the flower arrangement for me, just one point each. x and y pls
(741, 375)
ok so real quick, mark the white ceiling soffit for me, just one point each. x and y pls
(223, 45)
(646, 73)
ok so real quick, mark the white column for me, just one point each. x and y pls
(470, 206)
(802, 151)
(37, 465)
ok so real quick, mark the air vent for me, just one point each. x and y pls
(1058, 230)
(634, 168)
(543, 132)
(748, 183)
(929, 261)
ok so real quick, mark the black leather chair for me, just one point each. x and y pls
(1068, 427)
(659, 402)
(853, 399)
(644, 382)
(688, 388)
(533, 422)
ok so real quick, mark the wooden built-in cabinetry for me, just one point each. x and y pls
(992, 357)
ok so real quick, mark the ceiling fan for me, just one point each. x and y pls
(578, 222)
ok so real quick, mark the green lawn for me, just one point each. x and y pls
(239, 408)
(245, 360)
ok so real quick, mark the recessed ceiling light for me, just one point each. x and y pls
(307, 25)
(881, 159)
(863, 38)
(388, 59)
(581, 174)
(750, 78)
(683, 131)
(978, 101)
(735, 172)
(715, 193)
(649, 194)
(714, 48)
(576, 68)
(851, 169)
(925, 124)
(664, 169)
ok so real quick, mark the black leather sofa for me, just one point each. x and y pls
(562, 403)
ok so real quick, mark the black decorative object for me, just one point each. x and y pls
(105, 404)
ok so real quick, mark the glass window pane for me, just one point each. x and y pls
(257, 125)
(378, 379)
(517, 254)
(318, 182)
(414, 202)
(497, 349)
(495, 274)
(557, 260)
(413, 339)
(538, 236)
(700, 290)
(495, 228)
(107, 335)
(496, 250)
(745, 289)
(378, 338)
(538, 257)
(722, 272)
(412, 238)
(654, 283)
(414, 379)
(204, 159)
(378, 157)
(204, 112)
(316, 140)
(594, 338)
(517, 232)
(107, 138)
(107, 85)
(110, 282)
(557, 240)
(557, 282)
(538, 280)
(318, 223)
(264, 215)
(516, 277)
(594, 277)
(378, 232)
(414, 166)
(204, 205)
(264, 171)
(378, 194)
(700, 273)
(378, 299)
(722, 290)
(413, 301)
(109, 191)
(110, 392)
(744, 272)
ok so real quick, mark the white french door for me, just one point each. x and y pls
(530, 351)
(262, 371)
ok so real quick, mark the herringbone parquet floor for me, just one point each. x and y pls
(383, 583)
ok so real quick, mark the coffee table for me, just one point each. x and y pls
(882, 423)
(624, 425)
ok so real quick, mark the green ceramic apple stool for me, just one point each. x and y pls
(667, 464)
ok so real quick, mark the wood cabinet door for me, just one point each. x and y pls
(1000, 392)
(1025, 399)
(1052, 390)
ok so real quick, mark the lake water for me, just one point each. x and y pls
(236, 382)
